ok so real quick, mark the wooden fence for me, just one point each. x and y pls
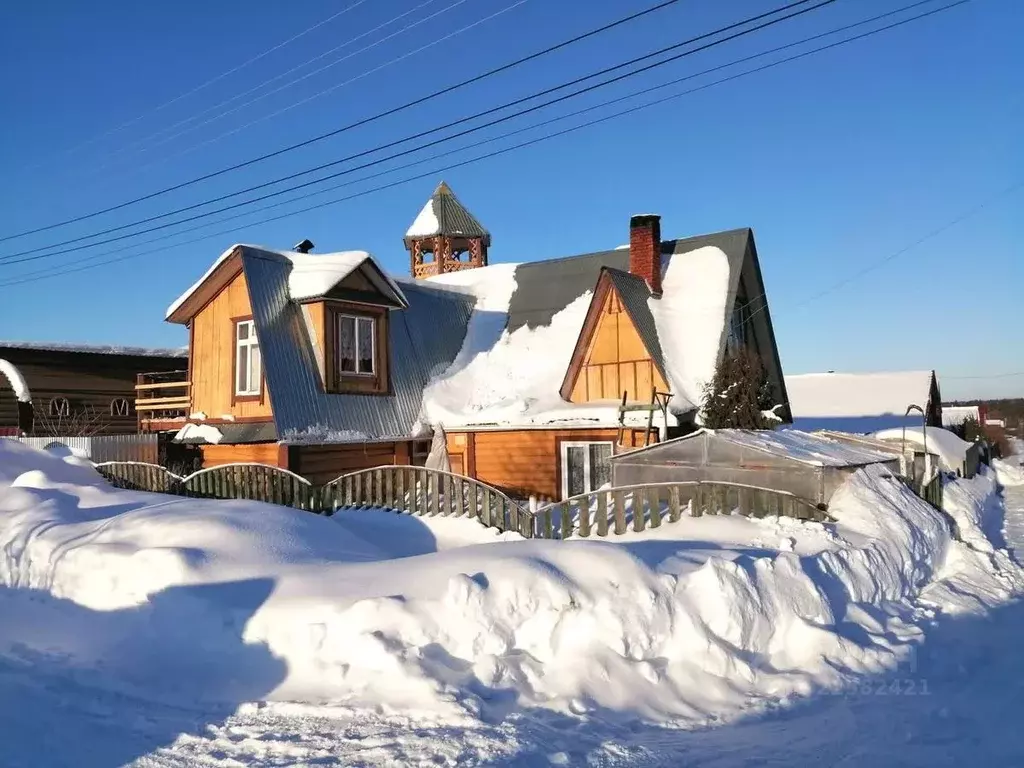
(639, 507)
(429, 492)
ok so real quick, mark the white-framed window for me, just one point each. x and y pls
(248, 363)
(585, 466)
(357, 341)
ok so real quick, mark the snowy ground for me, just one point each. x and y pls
(135, 630)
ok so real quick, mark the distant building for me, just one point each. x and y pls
(863, 402)
(955, 415)
(75, 389)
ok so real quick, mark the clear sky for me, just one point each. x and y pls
(837, 161)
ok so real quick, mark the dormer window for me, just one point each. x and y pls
(356, 345)
(355, 348)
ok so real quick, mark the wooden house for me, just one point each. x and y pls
(75, 389)
(536, 372)
(864, 402)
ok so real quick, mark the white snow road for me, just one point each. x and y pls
(958, 702)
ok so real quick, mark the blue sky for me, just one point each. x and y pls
(837, 161)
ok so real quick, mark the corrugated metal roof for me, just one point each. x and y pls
(634, 292)
(802, 447)
(450, 218)
(424, 340)
(544, 288)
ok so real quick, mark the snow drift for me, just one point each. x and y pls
(692, 623)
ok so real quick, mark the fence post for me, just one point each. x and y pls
(602, 513)
(619, 502)
(673, 504)
(638, 509)
(654, 502)
(584, 510)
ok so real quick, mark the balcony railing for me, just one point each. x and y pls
(162, 396)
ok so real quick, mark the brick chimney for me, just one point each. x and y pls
(645, 250)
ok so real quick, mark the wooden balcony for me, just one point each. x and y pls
(161, 399)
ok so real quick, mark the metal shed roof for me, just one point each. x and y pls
(802, 447)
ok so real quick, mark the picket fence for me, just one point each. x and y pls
(422, 491)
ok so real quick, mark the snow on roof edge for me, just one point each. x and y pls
(96, 349)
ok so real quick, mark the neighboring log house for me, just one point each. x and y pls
(77, 390)
(538, 372)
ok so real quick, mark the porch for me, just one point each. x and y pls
(163, 400)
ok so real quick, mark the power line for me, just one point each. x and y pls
(358, 123)
(215, 79)
(644, 91)
(294, 81)
(325, 91)
(44, 274)
(11, 258)
(987, 376)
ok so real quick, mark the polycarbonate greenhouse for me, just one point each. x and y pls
(810, 466)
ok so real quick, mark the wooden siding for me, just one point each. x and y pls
(322, 463)
(616, 360)
(259, 453)
(526, 462)
(89, 381)
(213, 363)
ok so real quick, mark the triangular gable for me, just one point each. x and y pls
(365, 285)
(618, 349)
(216, 279)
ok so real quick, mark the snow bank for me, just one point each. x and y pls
(1009, 471)
(950, 449)
(16, 380)
(700, 621)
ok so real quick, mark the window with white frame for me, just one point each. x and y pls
(585, 467)
(248, 363)
(356, 345)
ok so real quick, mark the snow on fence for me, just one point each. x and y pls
(422, 491)
(102, 448)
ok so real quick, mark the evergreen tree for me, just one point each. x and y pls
(739, 393)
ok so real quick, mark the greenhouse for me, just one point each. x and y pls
(809, 466)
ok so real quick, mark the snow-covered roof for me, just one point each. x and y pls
(955, 415)
(311, 275)
(950, 448)
(96, 349)
(856, 402)
(444, 214)
(804, 447)
(16, 380)
(510, 373)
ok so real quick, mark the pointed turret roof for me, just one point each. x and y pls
(444, 214)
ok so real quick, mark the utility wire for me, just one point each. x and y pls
(433, 42)
(294, 81)
(44, 274)
(358, 123)
(11, 258)
(215, 79)
(646, 90)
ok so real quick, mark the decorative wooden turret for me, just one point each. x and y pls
(445, 237)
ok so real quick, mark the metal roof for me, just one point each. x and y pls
(544, 288)
(634, 293)
(424, 340)
(450, 218)
(814, 449)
